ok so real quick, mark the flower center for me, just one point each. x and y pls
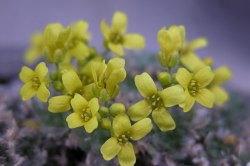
(123, 139)
(156, 101)
(193, 87)
(116, 38)
(86, 114)
(35, 82)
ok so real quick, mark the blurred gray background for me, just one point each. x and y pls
(226, 24)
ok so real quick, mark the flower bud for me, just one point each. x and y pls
(116, 108)
(58, 86)
(164, 78)
(104, 111)
(105, 123)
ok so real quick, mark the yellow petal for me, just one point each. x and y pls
(105, 29)
(71, 81)
(183, 77)
(119, 22)
(113, 64)
(204, 76)
(205, 97)
(163, 120)
(220, 94)
(94, 106)
(79, 30)
(121, 124)
(63, 36)
(26, 74)
(172, 96)
(110, 148)
(41, 70)
(145, 85)
(91, 125)
(59, 103)
(78, 103)
(126, 155)
(141, 128)
(197, 43)
(222, 74)
(27, 91)
(192, 62)
(116, 48)
(134, 41)
(51, 33)
(116, 77)
(74, 120)
(31, 56)
(188, 103)
(80, 51)
(139, 110)
(43, 93)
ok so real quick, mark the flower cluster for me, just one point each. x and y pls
(87, 82)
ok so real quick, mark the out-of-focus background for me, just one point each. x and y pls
(226, 24)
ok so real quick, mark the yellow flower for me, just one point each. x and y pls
(222, 75)
(119, 144)
(84, 113)
(107, 77)
(78, 40)
(72, 85)
(171, 42)
(55, 38)
(35, 82)
(36, 49)
(195, 86)
(156, 101)
(115, 37)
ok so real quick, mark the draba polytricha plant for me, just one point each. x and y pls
(86, 82)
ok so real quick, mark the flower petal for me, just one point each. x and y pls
(27, 91)
(222, 75)
(163, 120)
(205, 97)
(26, 74)
(134, 41)
(78, 103)
(121, 124)
(43, 93)
(197, 44)
(59, 103)
(145, 85)
(91, 125)
(105, 29)
(71, 81)
(188, 103)
(116, 48)
(172, 96)
(126, 155)
(139, 110)
(110, 148)
(114, 64)
(41, 70)
(192, 62)
(220, 94)
(183, 77)
(74, 120)
(141, 128)
(94, 105)
(204, 76)
(116, 77)
(119, 22)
